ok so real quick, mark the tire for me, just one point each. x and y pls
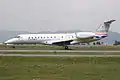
(13, 46)
(66, 47)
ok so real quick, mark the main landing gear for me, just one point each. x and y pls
(66, 47)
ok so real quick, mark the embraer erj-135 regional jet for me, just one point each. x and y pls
(62, 39)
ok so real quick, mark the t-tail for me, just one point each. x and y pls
(103, 29)
(105, 26)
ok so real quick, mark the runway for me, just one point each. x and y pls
(58, 55)
(60, 51)
(61, 55)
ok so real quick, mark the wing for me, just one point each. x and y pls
(60, 42)
(85, 38)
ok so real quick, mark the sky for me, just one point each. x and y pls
(58, 15)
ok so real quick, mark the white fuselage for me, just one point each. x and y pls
(72, 38)
(62, 38)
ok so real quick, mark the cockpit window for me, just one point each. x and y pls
(17, 36)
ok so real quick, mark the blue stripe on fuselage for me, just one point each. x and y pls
(103, 36)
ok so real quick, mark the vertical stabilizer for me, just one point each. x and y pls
(105, 27)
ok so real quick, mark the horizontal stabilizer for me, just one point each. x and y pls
(109, 22)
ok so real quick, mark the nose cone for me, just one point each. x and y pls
(11, 41)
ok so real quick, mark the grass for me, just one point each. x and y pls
(46, 68)
(52, 47)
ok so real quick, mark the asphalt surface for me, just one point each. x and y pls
(60, 55)
(59, 50)
(57, 55)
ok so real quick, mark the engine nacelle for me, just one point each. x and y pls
(85, 34)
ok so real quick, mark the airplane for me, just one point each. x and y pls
(62, 39)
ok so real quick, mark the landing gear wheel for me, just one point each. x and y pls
(13, 46)
(66, 47)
